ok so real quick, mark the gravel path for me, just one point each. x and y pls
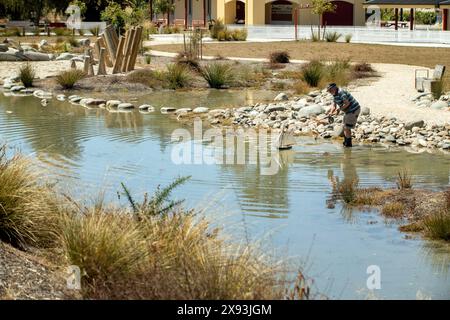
(24, 276)
(391, 95)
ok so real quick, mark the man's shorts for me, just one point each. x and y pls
(351, 118)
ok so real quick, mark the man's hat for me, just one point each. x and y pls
(331, 86)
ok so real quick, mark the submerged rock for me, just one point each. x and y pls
(281, 97)
(200, 110)
(125, 106)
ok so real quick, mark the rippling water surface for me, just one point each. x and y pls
(94, 151)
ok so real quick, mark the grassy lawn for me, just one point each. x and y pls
(305, 50)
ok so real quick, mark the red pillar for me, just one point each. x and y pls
(204, 13)
(445, 19)
(411, 19)
(185, 14)
(396, 18)
(151, 9)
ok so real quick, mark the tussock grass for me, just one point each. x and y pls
(300, 87)
(28, 209)
(332, 36)
(437, 225)
(393, 209)
(27, 73)
(218, 75)
(404, 180)
(346, 189)
(312, 73)
(348, 37)
(147, 77)
(68, 79)
(279, 57)
(177, 76)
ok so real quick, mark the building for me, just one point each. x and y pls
(263, 12)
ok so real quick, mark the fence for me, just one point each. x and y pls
(359, 34)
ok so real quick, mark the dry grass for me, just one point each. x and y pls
(27, 207)
(404, 180)
(68, 79)
(307, 50)
(393, 209)
(437, 225)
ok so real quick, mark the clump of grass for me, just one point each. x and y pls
(447, 199)
(28, 213)
(73, 42)
(315, 36)
(95, 31)
(189, 60)
(393, 209)
(177, 76)
(217, 27)
(147, 77)
(371, 196)
(239, 35)
(300, 87)
(412, 227)
(337, 71)
(217, 74)
(148, 58)
(60, 32)
(345, 190)
(404, 180)
(348, 37)
(104, 244)
(27, 73)
(332, 36)
(312, 73)
(68, 79)
(279, 57)
(437, 225)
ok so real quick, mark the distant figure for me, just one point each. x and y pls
(344, 101)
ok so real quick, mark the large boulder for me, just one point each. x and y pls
(281, 97)
(413, 124)
(439, 105)
(312, 110)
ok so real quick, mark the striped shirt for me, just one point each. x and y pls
(341, 96)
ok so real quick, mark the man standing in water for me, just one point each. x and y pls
(344, 101)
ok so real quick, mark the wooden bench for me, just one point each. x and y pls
(22, 25)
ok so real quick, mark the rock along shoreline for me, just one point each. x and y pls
(303, 115)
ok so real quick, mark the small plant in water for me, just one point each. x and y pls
(404, 180)
(345, 190)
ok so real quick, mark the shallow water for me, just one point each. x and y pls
(95, 150)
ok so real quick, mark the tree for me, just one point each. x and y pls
(163, 7)
(320, 7)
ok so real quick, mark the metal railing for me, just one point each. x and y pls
(359, 34)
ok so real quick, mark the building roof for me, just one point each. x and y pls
(407, 2)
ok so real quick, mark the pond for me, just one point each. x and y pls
(95, 151)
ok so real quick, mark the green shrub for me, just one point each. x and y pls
(73, 42)
(148, 59)
(332, 36)
(312, 73)
(81, 32)
(217, 74)
(68, 79)
(177, 76)
(27, 74)
(279, 57)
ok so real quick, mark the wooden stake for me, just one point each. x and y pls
(110, 45)
(108, 60)
(118, 63)
(73, 64)
(128, 49)
(87, 63)
(134, 49)
(91, 70)
(101, 63)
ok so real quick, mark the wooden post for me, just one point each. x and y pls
(445, 19)
(108, 40)
(396, 18)
(128, 49)
(87, 63)
(296, 23)
(101, 62)
(73, 64)
(118, 63)
(134, 49)
(411, 19)
(108, 59)
(204, 13)
(91, 70)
